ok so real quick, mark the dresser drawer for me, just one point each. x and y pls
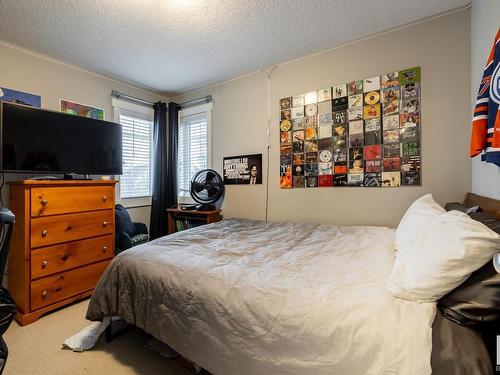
(53, 289)
(63, 200)
(46, 261)
(51, 230)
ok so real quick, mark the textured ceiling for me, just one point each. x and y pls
(172, 46)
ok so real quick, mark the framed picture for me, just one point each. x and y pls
(78, 109)
(19, 97)
(243, 170)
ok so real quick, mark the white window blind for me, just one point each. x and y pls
(192, 149)
(136, 142)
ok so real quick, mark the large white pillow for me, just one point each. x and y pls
(418, 215)
(441, 256)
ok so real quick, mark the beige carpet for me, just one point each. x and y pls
(36, 349)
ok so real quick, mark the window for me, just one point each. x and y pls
(137, 127)
(193, 147)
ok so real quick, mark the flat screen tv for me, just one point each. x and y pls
(39, 141)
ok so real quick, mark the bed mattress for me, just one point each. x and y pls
(251, 297)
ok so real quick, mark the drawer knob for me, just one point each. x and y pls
(104, 248)
(44, 293)
(104, 223)
(104, 198)
(44, 202)
(44, 233)
(44, 263)
(64, 257)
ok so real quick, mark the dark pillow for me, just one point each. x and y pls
(476, 302)
(487, 219)
(123, 221)
(461, 207)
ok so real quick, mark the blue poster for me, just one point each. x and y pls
(20, 97)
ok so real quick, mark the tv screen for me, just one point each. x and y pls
(41, 141)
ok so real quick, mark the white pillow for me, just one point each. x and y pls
(418, 215)
(441, 256)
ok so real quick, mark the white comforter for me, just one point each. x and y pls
(244, 297)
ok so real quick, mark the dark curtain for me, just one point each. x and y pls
(164, 194)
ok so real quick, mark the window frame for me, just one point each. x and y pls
(117, 106)
(206, 108)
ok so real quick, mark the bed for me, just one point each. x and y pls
(251, 297)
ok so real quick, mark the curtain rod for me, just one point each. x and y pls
(118, 94)
(189, 103)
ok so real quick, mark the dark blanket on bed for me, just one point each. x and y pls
(457, 350)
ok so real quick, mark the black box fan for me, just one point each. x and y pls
(207, 187)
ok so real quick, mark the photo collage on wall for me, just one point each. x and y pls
(362, 133)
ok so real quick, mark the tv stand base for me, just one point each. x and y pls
(74, 176)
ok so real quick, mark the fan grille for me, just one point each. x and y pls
(207, 186)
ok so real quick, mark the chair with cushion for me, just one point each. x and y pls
(128, 233)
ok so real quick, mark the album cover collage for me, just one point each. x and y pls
(362, 133)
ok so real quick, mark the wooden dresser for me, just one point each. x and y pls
(63, 239)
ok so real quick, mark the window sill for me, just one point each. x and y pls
(185, 200)
(135, 202)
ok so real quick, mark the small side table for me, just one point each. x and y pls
(179, 219)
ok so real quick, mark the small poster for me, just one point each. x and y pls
(19, 97)
(245, 170)
(81, 110)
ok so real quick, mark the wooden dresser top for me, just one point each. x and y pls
(62, 182)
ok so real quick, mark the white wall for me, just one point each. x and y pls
(485, 21)
(441, 47)
(25, 71)
(239, 126)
